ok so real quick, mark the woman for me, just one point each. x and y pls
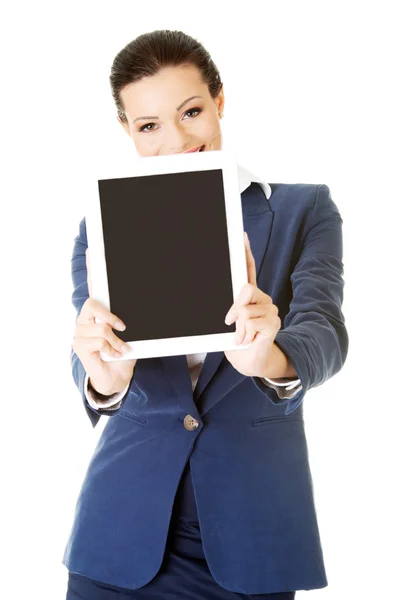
(200, 486)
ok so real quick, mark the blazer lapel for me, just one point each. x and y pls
(257, 222)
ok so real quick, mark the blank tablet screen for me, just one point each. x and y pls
(167, 253)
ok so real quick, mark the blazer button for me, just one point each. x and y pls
(190, 422)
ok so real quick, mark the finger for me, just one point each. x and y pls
(250, 292)
(250, 262)
(252, 328)
(247, 334)
(250, 295)
(93, 308)
(101, 330)
(267, 325)
(83, 333)
(240, 332)
(92, 345)
(254, 318)
(247, 314)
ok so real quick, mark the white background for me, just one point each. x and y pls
(310, 97)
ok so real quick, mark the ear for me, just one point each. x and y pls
(124, 125)
(220, 101)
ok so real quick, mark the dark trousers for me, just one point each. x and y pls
(184, 573)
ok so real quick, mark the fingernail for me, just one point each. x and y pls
(120, 326)
(229, 318)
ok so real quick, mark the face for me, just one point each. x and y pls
(165, 118)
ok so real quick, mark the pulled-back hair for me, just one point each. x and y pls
(150, 52)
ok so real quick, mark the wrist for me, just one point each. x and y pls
(100, 395)
(278, 365)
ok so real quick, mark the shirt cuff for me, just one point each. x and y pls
(113, 402)
(285, 387)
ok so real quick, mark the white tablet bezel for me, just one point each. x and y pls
(175, 163)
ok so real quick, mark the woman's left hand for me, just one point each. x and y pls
(257, 324)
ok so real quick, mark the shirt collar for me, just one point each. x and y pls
(246, 177)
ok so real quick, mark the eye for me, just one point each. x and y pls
(196, 110)
(192, 110)
(143, 127)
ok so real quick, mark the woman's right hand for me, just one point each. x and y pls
(107, 377)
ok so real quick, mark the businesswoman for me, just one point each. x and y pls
(200, 485)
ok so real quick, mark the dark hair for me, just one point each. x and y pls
(149, 52)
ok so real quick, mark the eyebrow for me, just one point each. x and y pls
(179, 107)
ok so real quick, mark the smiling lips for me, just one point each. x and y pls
(199, 148)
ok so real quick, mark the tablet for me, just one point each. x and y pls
(167, 253)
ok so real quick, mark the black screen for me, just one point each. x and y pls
(167, 254)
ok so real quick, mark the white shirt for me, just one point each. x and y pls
(285, 388)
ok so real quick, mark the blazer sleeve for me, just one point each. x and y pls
(313, 335)
(79, 295)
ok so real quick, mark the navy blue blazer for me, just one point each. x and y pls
(248, 457)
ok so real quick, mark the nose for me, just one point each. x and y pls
(176, 140)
